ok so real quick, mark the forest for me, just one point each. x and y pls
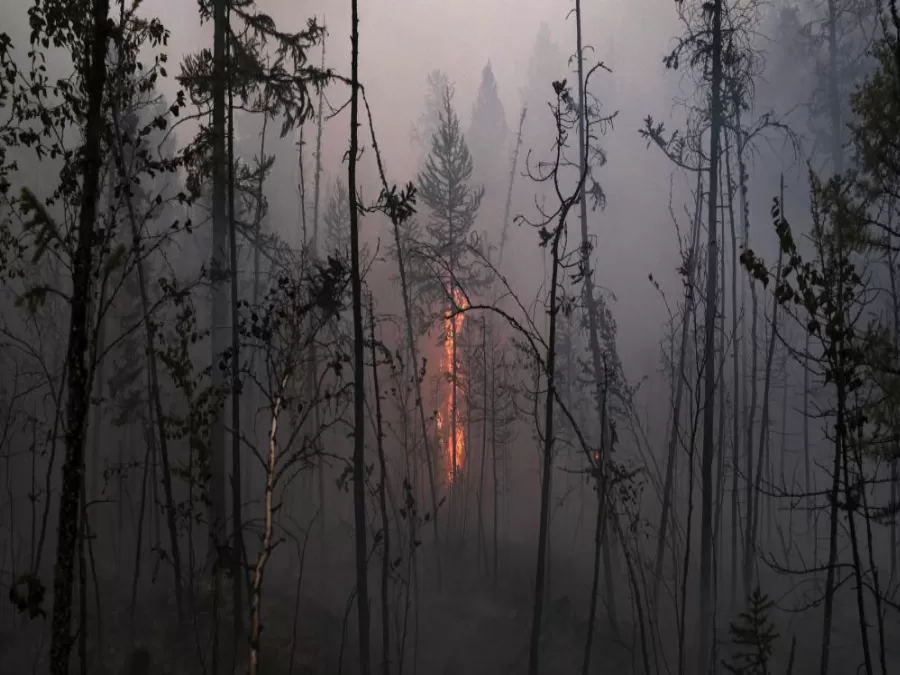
(515, 337)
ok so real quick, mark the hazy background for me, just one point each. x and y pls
(402, 41)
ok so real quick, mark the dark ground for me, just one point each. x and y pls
(468, 627)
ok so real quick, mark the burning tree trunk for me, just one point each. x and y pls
(456, 440)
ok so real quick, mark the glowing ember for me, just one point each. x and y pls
(455, 446)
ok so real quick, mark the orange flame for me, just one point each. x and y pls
(455, 446)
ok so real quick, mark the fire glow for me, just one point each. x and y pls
(455, 447)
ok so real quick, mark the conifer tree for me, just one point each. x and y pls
(547, 63)
(430, 119)
(452, 202)
(445, 189)
(487, 138)
(753, 637)
(487, 134)
(336, 220)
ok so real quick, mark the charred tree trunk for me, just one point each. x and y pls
(680, 377)
(753, 523)
(155, 393)
(737, 340)
(78, 380)
(547, 462)
(314, 245)
(382, 503)
(509, 190)
(411, 344)
(600, 383)
(709, 374)
(237, 521)
(359, 407)
(220, 302)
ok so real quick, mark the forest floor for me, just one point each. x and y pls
(467, 627)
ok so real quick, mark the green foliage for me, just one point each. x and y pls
(753, 637)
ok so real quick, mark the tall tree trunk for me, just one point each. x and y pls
(220, 302)
(93, 460)
(595, 579)
(155, 393)
(709, 373)
(78, 380)
(837, 168)
(857, 566)
(679, 376)
(482, 544)
(509, 190)
(496, 484)
(268, 530)
(455, 492)
(737, 325)
(314, 245)
(547, 462)
(839, 439)
(753, 522)
(382, 503)
(599, 537)
(752, 376)
(411, 345)
(359, 402)
(237, 520)
(720, 442)
(895, 474)
(600, 383)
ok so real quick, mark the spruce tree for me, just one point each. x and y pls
(488, 133)
(547, 64)
(487, 137)
(430, 119)
(753, 637)
(452, 203)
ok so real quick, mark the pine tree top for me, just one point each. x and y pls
(488, 129)
(488, 113)
(445, 189)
